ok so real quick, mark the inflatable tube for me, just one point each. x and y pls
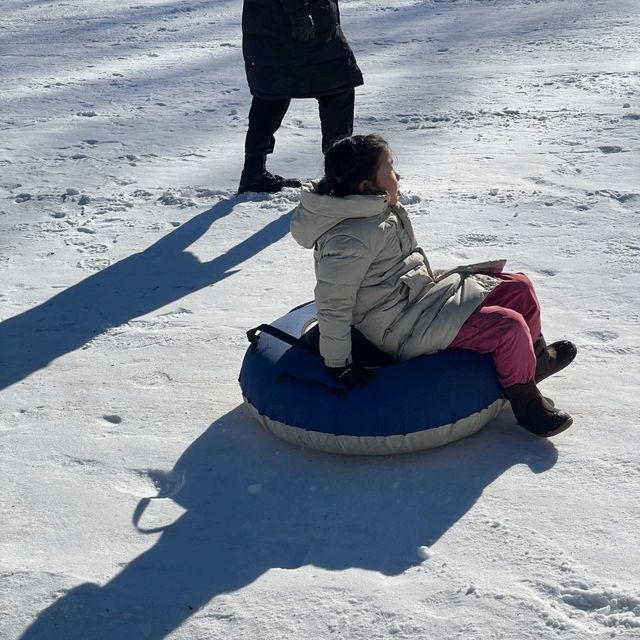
(418, 404)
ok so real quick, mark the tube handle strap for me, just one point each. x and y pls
(254, 334)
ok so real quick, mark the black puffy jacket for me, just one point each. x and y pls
(278, 66)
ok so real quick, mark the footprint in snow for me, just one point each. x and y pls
(150, 380)
(477, 239)
(93, 248)
(610, 148)
(93, 264)
(606, 606)
(604, 335)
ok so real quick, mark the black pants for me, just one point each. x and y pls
(265, 118)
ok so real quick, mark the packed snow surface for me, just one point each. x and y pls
(139, 500)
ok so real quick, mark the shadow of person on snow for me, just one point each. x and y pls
(125, 290)
(254, 504)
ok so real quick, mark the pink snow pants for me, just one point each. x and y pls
(506, 325)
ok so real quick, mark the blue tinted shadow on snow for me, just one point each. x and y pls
(130, 288)
(312, 509)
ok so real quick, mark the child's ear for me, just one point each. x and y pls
(364, 186)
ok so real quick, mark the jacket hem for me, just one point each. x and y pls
(303, 96)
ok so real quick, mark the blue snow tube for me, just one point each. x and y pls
(417, 404)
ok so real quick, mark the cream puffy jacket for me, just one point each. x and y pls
(371, 274)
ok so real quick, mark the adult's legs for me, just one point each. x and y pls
(336, 116)
(265, 118)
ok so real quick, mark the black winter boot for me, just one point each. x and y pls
(255, 176)
(553, 357)
(534, 413)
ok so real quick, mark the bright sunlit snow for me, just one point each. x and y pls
(139, 499)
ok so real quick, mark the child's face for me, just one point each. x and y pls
(387, 177)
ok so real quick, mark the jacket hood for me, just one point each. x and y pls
(316, 214)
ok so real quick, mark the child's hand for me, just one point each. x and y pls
(351, 376)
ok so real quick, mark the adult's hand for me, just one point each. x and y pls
(302, 28)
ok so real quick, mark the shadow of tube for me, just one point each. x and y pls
(254, 503)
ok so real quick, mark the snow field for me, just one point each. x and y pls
(139, 500)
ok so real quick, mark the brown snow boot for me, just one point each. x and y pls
(534, 413)
(553, 357)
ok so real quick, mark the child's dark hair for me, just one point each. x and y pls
(350, 161)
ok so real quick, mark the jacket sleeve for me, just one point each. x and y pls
(295, 8)
(341, 266)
